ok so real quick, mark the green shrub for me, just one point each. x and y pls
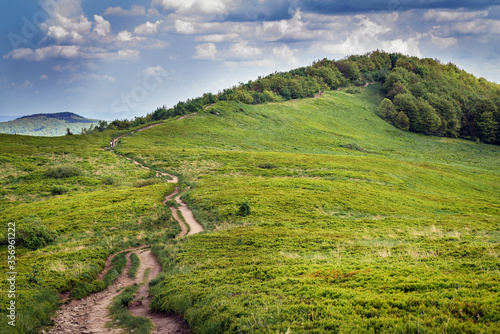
(149, 182)
(108, 180)
(267, 165)
(158, 221)
(34, 235)
(244, 209)
(62, 172)
(352, 91)
(58, 190)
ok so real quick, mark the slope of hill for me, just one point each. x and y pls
(49, 125)
(320, 217)
(422, 95)
(355, 226)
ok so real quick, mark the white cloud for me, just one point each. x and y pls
(206, 51)
(91, 76)
(26, 84)
(101, 77)
(216, 38)
(184, 27)
(481, 26)
(196, 6)
(70, 52)
(443, 43)
(147, 28)
(242, 50)
(68, 7)
(118, 11)
(68, 68)
(125, 36)
(44, 77)
(445, 15)
(79, 24)
(156, 70)
(60, 34)
(294, 29)
(102, 27)
(368, 37)
(54, 51)
(284, 53)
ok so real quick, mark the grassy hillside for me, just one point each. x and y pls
(355, 226)
(48, 125)
(93, 200)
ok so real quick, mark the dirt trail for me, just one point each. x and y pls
(90, 315)
(164, 323)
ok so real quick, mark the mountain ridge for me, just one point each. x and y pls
(47, 124)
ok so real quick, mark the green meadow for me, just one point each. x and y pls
(355, 226)
(96, 203)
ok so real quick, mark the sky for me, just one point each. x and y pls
(120, 59)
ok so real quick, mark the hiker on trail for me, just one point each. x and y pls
(111, 143)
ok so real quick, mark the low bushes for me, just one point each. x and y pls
(62, 172)
(58, 190)
(85, 288)
(148, 182)
(34, 235)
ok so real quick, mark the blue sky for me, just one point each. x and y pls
(120, 59)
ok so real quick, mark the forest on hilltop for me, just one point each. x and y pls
(422, 95)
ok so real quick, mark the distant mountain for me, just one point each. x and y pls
(47, 125)
(7, 118)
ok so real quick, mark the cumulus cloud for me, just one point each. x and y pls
(286, 54)
(446, 15)
(368, 37)
(216, 38)
(184, 27)
(293, 29)
(70, 52)
(243, 50)
(206, 51)
(69, 34)
(147, 28)
(125, 36)
(102, 27)
(196, 6)
(443, 43)
(154, 70)
(484, 26)
(60, 34)
(118, 11)
(44, 77)
(54, 51)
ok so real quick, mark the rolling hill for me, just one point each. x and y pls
(355, 226)
(49, 125)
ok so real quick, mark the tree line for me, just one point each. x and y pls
(420, 95)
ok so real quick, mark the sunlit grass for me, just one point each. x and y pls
(355, 226)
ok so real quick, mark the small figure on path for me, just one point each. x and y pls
(111, 144)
